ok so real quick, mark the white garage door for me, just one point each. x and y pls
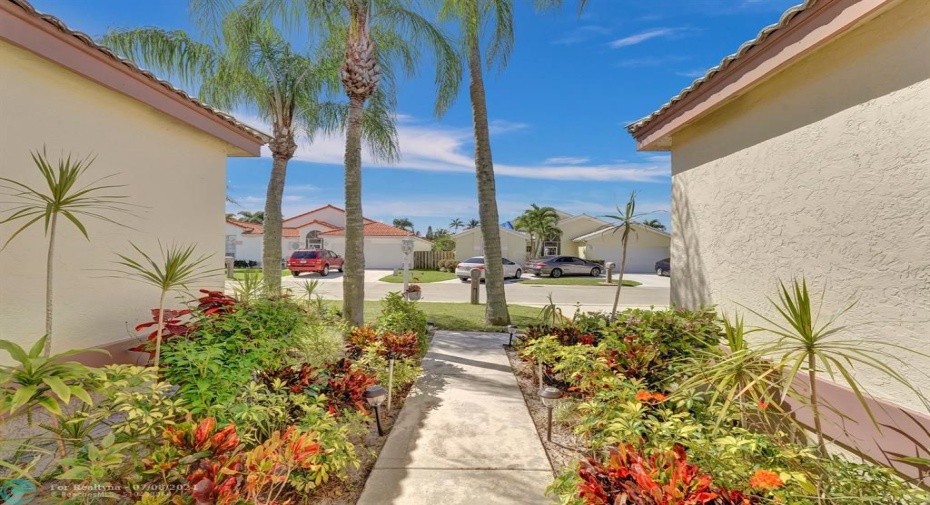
(383, 254)
(639, 260)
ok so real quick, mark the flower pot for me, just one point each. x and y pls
(413, 295)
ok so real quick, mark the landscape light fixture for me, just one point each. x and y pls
(512, 329)
(550, 398)
(375, 395)
(430, 327)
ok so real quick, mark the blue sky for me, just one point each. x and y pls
(558, 111)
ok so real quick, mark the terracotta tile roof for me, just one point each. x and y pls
(290, 232)
(257, 229)
(89, 41)
(327, 206)
(785, 20)
(322, 223)
(249, 227)
(372, 229)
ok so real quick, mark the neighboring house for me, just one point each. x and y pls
(323, 228)
(808, 152)
(583, 236)
(167, 151)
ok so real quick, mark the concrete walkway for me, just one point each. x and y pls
(465, 435)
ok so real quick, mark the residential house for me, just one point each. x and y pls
(323, 228)
(166, 151)
(808, 153)
(583, 236)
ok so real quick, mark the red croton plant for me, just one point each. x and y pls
(212, 303)
(630, 478)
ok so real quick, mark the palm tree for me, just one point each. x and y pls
(403, 223)
(456, 224)
(625, 219)
(472, 16)
(250, 64)
(541, 223)
(65, 195)
(257, 217)
(472, 223)
(655, 223)
(376, 36)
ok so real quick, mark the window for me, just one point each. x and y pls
(313, 240)
(230, 245)
(305, 255)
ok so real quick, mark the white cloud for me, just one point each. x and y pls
(692, 74)
(435, 148)
(581, 34)
(566, 160)
(643, 36)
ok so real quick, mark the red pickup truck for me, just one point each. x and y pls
(314, 260)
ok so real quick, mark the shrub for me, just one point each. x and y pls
(401, 316)
(448, 265)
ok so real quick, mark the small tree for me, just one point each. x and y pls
(174, 269)
(456, 224)
(625, 220)
(66, 196)
(403, 223)
(654, 223)
(472, 223)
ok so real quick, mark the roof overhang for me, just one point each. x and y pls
(801, 30)
(610, 229)
(47, 37)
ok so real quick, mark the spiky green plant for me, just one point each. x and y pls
(806, 345)
(174, 268)
(64, 196)
(624, 221)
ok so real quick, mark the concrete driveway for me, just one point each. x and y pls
(654, 291)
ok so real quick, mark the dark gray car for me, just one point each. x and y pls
(557, 266)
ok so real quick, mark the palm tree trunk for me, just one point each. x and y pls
(271, 237)
(50, 262)
(353, 280)
(613, 311)
(496, 309)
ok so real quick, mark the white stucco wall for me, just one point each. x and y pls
(468, 244)
(380, 252)
(173, 175)
(643, 251)
(824, 170)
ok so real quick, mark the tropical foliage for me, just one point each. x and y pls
(541, 223)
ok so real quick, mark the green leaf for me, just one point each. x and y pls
(50, 404)
(82, 394)
(15, 351)
(38, 347)
(59, 388)
(76, 473)
(22, 397)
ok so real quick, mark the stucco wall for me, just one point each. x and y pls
(513, 246)
(644, 250)
(574, 228)
(824, 170)
(173, 174)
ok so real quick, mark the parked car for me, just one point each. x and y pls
(663, 268)
(314, 260)
(463, 269)
(557, 266)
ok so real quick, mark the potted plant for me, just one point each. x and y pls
(413, 292)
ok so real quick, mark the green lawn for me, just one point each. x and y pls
(457, 316)
(239, 273)
(576, 281)
(423, 276)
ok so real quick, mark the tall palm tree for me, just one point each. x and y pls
(250, 64)
(472, 16)
(541, 223)
(472, 223)
(376, 36)
(456, 224)
(403, 223)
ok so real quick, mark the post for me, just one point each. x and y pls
(378, 420)
(540, 369)
(549, 429)
(230, 267)
(475, 286)
(406, 246)
(390, 382)
(610, 271)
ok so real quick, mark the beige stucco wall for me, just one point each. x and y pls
(645, 248)
(513, 246)
(574, 228)
(824, 170)
(173, 175)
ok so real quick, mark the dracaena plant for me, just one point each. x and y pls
(65, 195)
(44, 381)
(173, 269)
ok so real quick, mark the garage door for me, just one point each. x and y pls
(639, 260)
(383, 255)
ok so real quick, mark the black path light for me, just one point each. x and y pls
(550, 397)
(430, 327)
(512, 329)
(376, 396)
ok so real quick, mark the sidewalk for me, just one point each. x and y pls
(464, 436)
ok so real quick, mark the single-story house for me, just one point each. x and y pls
(808, 153)
(323, 228)
(166, 151)
(583, 236)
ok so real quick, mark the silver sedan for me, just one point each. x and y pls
(557, 266)
(463, 270)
